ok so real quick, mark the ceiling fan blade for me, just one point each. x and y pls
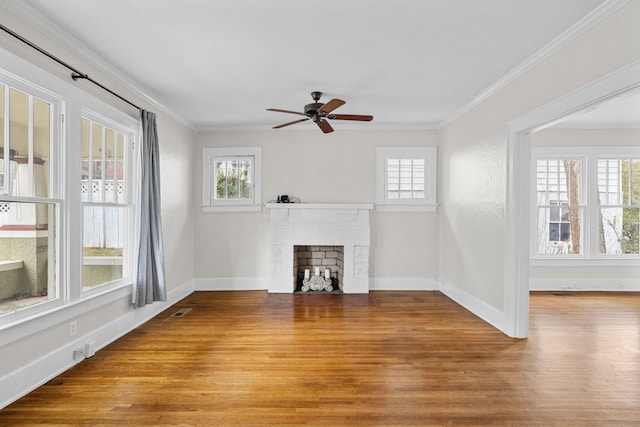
(286, 111)
(331, 105)
(357, 117)
(325, 126)
(290, 123)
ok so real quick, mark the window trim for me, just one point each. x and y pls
(31, 86)
(590, 255)
(582, 205)
(129, 129)
(238, 205)
(429, 203)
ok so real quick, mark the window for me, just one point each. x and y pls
(406, 179)
(231, 179)
(559, 212)
(619, 205)
(587, 203)
(106, 206)
(29, 203)
(65, 178)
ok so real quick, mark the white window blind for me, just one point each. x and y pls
(406, 179)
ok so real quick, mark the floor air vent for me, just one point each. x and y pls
(181, 312)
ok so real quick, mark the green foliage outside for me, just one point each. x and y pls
(232, 183)
(629, 234)
(630, 239)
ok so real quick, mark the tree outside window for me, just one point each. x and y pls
(587, 202)
(233, 179)
(619, 198)
(559, 209)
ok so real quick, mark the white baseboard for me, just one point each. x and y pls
(230, 283)
(404, 284)
(480, 308)
(584, 284)
(261, 283)
(18, 383)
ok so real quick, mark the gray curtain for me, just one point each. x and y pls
(150, 282)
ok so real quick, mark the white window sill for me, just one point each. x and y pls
(20, 324)
(632, 261)
(406, 208)
(231, 208)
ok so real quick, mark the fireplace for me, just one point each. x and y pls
(342, 230)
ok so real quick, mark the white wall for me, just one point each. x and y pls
(317, 168)
(597, 275)
(561, 137)
(38, 349)
(473, 158)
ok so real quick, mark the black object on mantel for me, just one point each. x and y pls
(283, 199)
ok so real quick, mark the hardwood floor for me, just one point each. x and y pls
(412, 358)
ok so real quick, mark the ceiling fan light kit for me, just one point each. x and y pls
(319, 112)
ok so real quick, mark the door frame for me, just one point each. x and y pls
(518, 200)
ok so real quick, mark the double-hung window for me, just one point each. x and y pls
(586, 203)
(619, 205)
(30, 202)
(231, 179)
(406, 179)
(559, 201)
(106, 194)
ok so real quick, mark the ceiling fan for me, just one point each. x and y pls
(319, 113)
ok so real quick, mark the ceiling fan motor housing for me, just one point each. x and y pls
(311, 109)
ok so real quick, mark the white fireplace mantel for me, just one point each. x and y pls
(366, 206)
(332, 224)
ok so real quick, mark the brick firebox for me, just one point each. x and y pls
(325, 257)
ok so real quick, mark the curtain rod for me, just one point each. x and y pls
(75, 75)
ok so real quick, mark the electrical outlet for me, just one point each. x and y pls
(73, 328)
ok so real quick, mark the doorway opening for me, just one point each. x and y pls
(519, 201)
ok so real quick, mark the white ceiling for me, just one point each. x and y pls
(217, 64)
(620, 112)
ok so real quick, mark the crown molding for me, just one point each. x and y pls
(338, 128)
(47, 27)
(585, 24)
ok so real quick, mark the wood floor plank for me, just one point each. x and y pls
(412, 358)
